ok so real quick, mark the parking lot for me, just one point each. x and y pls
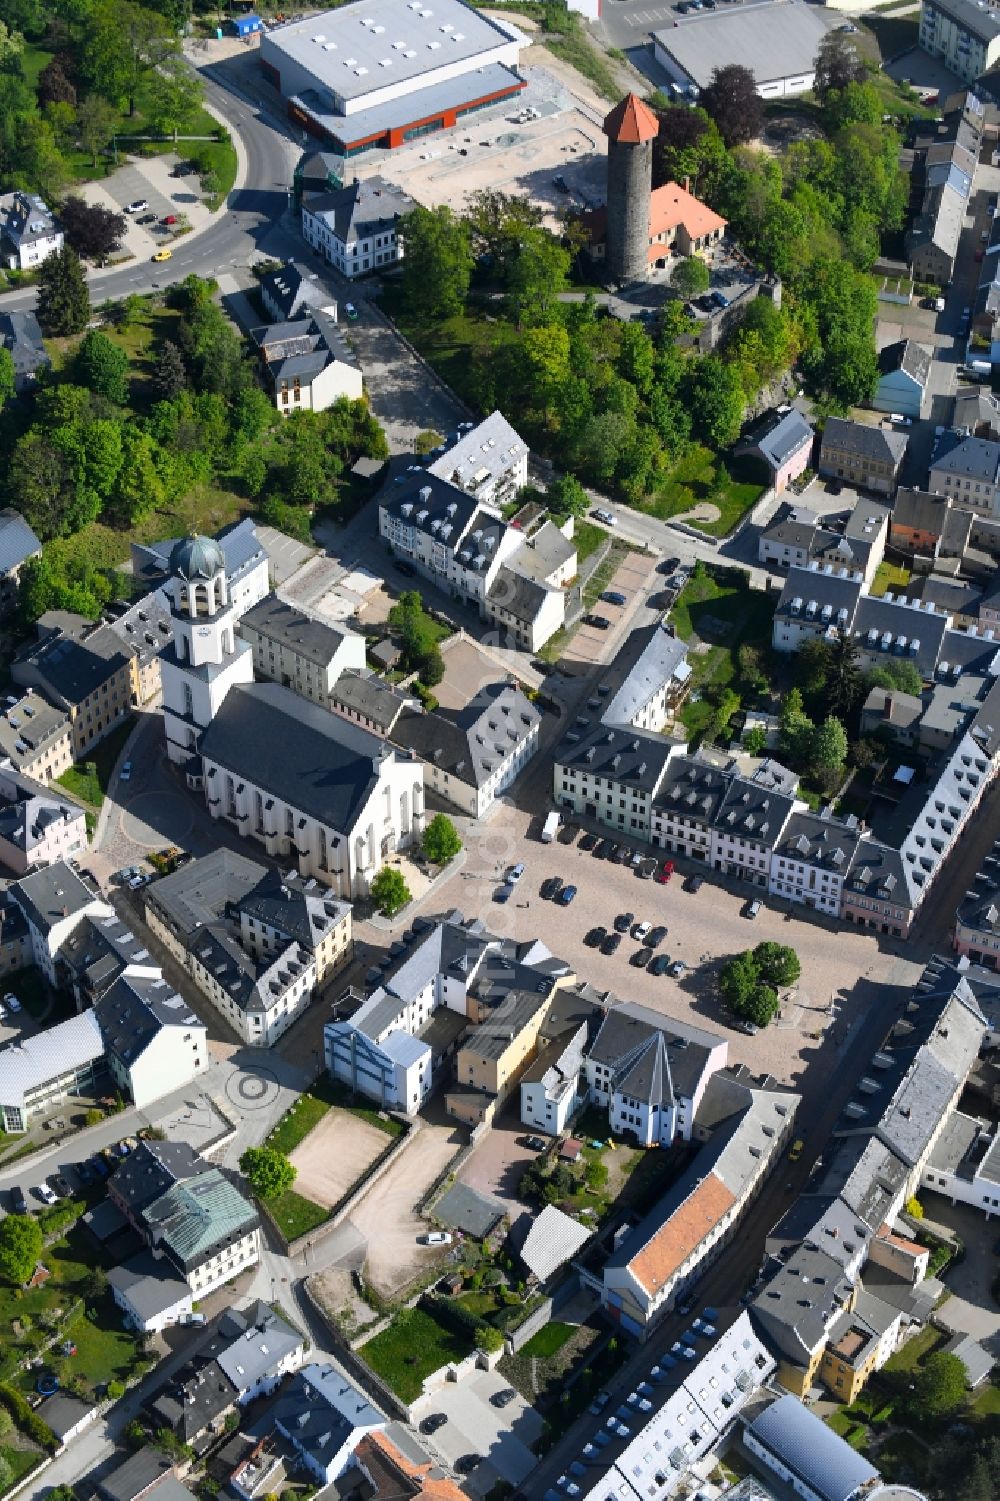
(502, 1436)
(149, 179)
(839, 964)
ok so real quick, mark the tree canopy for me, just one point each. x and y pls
(732, 101)
(749, 982)
(440, 841)
(389, 891)
(268, 1172)
(20, 1247)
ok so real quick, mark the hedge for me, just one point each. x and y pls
(483, 1335)
(28, 1421)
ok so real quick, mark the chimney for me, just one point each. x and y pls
(687, 184)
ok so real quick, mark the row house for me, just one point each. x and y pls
(864, 456)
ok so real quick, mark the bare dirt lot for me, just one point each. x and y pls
(468, 667)
(335, 1154)
(386, 1217)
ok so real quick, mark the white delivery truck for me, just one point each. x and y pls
(550, 828)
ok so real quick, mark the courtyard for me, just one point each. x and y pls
(338, 1152)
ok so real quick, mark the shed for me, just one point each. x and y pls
(466, 1209)
(247, 25)
(387, 654)
(977, 1361)
(571, 1150)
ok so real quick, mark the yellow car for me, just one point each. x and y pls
(163, 255)
(796, 1150)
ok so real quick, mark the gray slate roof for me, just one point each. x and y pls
(920, 509)
(883, 445)
(515, 592)
(134, 1012)
(361, 209)
(970, 458)
(287, 624)
(553, 1240)
(149, 1285)
(984, 25)
(820, 1458)
(371, 696)
(911, 358)
(650, 658)
(321, 1409)
(17, 540)
(472, 747)
(327, 767)
(293, 288)
(21, 333)
(784, 437)
(633, 757)
(773, 41)
(47, 896)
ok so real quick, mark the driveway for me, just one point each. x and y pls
(497, 1164)
(501, 1435)
(971, 1308)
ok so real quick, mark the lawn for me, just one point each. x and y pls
(587, 538)
(548, 1341)
(718, 608)
(307, 1112)
(88, 780)
(890, 576)
(21, 1461)
(915, 1349)
(450, 345)
(575, 48)
(700, 476)
(295, 1215)
(413, 1346)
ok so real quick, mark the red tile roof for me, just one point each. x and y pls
(682, 1233)
(631, 122)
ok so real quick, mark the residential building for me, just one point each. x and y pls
(15, 940)
(646, 680)
(29, 233)
(892, 712)
(79, 671)
(679, 223)
(815, 602)
(904, 370)
(241, 1355)
(292, 292)
(953, 597)
(488, 461)
(146, 1469)
(53, 900)
(684, 1412)
(471, 758)
(784, 442)
(256, 942)
(36, 827)
(356, 227)
(811, 859)
(778, 42)
(368, 700)
(968, 470)
(317, 172)
(876, 893)
(450, 537)
(551, 1084)
(965, 1164)
(38, 1072)
(150, 1300)
(356, 79)
(745, 1131)
(153, 1040)
(860, 543)
(893, 628)
(147, 1172)
(97, 951)
(204, 1229)
(293, 647)
(450, 976)
(861, 1340)
(650, 1072)
(324, 1416)
(796, 1445)
(245, 559)
(492, 1057)
(949, 154)
(918, 521)
(21, 334)
(549, 554)
(977, 919)
(18, 543)
(395, 1476)
(306, 365)
(867, 457)
(143, 631)
(965, 36)
(310, 786)
(529, 611)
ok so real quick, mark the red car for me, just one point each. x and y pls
(170, 219)
(665, 872)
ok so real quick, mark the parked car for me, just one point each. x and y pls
(694, 883)
(137, 206)
(611, 944)
(550, 887)
(795, 1150)
(751, 908)
(18, 1201)
(466, 1463)
(146, 219)
(435, 1238)
(85, 1172)
(677, 969)
(406, 569)
(602, 849)
(595, 937)
(646, 868)
(101, 1166)
(433, 1422)
(169, 219)
(588, 843)
(125, 775)
(624, 921)
(599, 622)
(46, 1195)
(61, 1186)
(351, 311)
(137, 882)
(619, 854)
(656, 935)
(641, 958)
(639, 931)
(535, 1143)
(504, 1398)
(613, 597)
(748, 1027)
(607, 518)
(566, 896)
(503, 893)
(659, 964)
(665, 872)
(163, 255)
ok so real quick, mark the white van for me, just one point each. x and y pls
(550, 828)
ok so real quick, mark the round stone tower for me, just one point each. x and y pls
(631, 129)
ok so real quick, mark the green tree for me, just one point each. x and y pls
(20, 1247)
(755, 741)
(761, 1007)
(812, 667)
(797, 728)
(63, 299)
(6, 1473)
(904, 676)
(96, 122)
(738, 979)
(102, 366)
(440, 840)
(431, 669)
(389, 891)
(716, 402)
(690, 277)
(268, 1171)
(843, 686)
(838, 64)
(566, 497)
(938, 1387)
(123, 44)
(425, 442)
(173, 96)
(728, 704)
(438, 263)
(828, 748)
(498, 222)
(536, 275)
(777, 964)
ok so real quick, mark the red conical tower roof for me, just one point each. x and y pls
(631, 122)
